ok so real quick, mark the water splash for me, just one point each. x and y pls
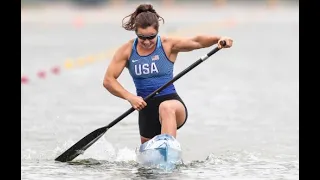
(102, 150)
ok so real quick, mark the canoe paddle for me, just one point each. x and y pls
(91, 138)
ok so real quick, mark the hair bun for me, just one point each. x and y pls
(145, 8)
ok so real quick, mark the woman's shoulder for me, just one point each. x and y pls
(129, 44)
(166, 41)
(126, 48)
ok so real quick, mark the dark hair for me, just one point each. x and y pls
(143, 17)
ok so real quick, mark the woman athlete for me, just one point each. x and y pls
(150, 59)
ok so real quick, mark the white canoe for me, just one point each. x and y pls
(162, 151)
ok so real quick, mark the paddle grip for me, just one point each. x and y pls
(223, 43)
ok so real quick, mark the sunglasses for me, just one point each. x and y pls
(143, 37)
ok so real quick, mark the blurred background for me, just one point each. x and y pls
(46, 19)
(243, 102)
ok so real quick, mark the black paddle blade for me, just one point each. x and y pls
(81, 145)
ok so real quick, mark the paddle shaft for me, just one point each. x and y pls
(178, 76)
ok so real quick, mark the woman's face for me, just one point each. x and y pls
(147, 38)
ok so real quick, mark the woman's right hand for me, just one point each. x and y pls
(137, 102)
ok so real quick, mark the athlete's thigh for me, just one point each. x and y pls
(179, 109)
(149, 125)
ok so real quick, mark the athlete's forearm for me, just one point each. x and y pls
(206, 41)
(115, 88)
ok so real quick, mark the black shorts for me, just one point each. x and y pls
(149, 123)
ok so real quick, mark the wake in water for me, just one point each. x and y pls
(240, 164)
(103, 157)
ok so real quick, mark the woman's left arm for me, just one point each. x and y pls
(198, 42)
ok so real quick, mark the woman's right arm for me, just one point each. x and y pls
(114, 70)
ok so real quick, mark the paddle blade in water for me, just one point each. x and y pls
(81, 145)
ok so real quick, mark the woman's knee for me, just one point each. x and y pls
(166, 108)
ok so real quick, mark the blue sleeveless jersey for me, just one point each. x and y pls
(150, 72)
